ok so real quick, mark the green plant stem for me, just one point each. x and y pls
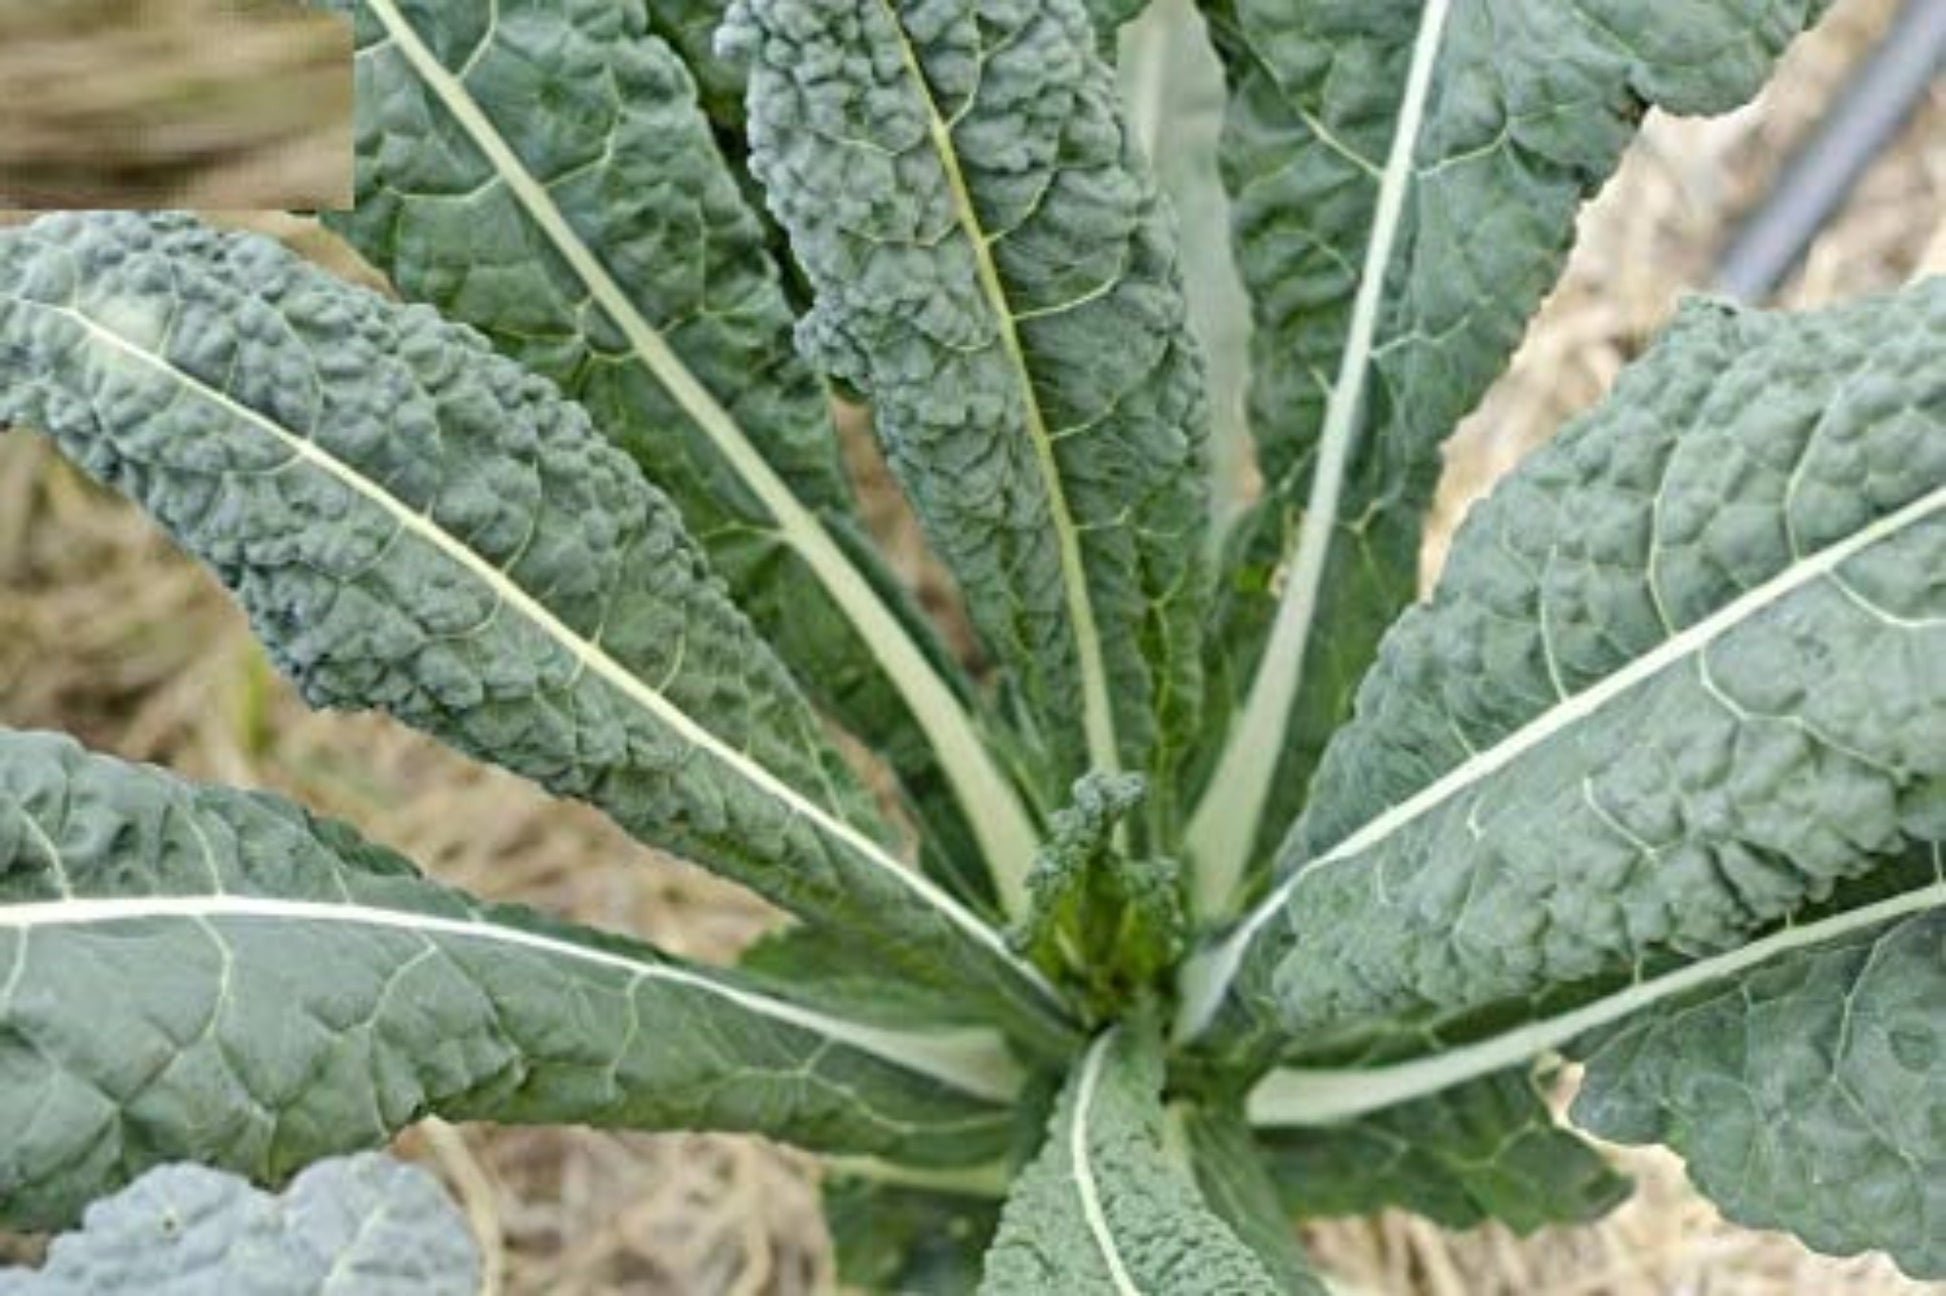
(1225, 823)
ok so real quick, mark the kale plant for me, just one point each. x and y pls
(1230, 886)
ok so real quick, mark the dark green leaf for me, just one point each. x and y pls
(1685, 674)
(1810, 1095)
(910, 1241)
(1102, 1209)
(1405, 177)
(1172, 86)
(1485, 1150)
(416, 524)
(197, 973)
(612, 252)
(824, 969)
(1108, 16)
(1230, 1169)
(996, 272)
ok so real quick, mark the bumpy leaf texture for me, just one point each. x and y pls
(996, 272)
(198, 973)
(416, 524)
(611, 251)
(1235, 1179)
(1487, 1150)
(1685, 674)
(689, 28)
(363, 1223)
(1809, 1096)
(1798, 1080)
(1108, 16)
(1102, 1209)
(1405, 175)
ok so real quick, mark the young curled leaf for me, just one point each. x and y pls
(1102, 922)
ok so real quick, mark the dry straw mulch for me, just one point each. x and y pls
(110, 634)
(174, 103)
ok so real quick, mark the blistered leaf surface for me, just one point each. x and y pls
(1378, 325)
(1102, 1210)
(1685, 673)
(1809, 1096)
(363, 1223)
(996, 273)
(198, 973)
(416, 524)
(613, 253)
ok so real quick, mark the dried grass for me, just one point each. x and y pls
(112, 635)
(165, 103)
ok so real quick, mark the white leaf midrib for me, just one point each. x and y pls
(973, 1061)
(992, 807)
(1098, 716)
(1209, 977)
(1226, 821)
(1297, 1096)
(588, 655)
(1086, 1187)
